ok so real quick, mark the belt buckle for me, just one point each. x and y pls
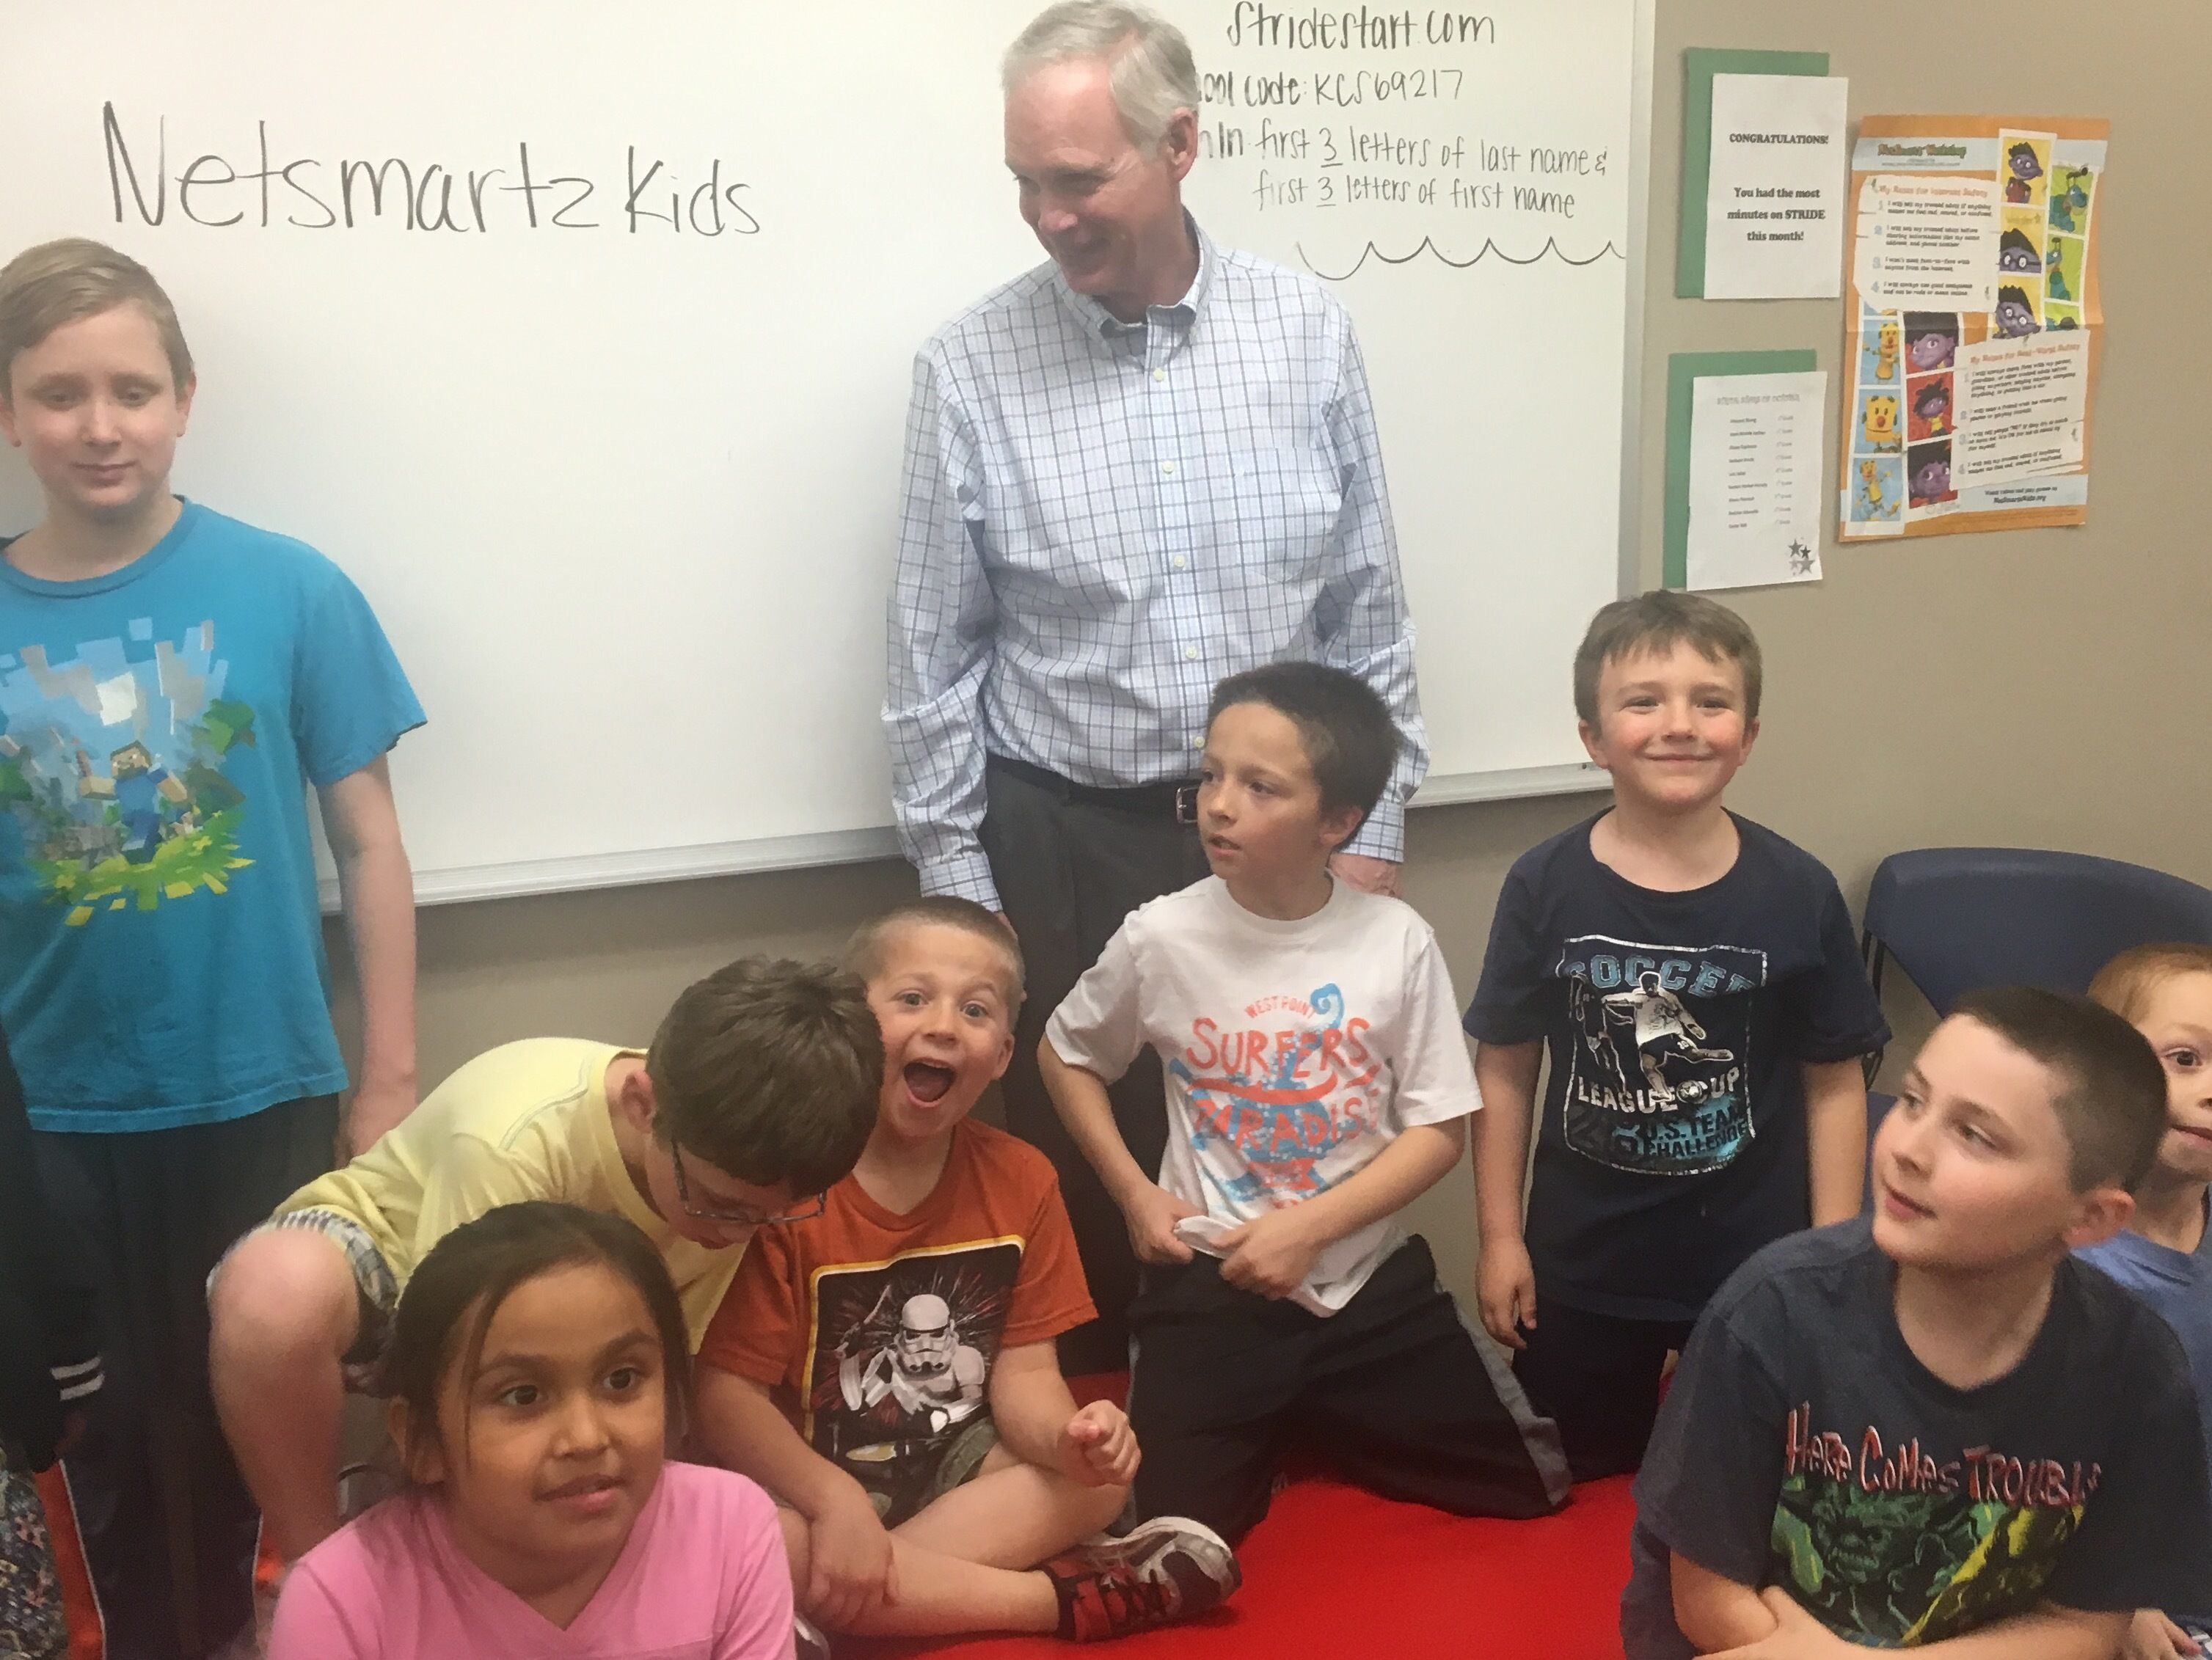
(1186, 803)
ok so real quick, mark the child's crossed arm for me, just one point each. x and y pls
(1707, 1605)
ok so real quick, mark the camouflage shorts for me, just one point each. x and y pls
(956, 1464)
(30, 1590)
(374, 1285)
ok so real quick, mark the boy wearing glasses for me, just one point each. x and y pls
(888, 1368)
(756, 1095)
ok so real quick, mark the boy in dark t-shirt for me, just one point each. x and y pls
(1696, 981)
(1937, 1428)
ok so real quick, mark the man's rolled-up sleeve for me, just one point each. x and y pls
(941, 623)
(1362, 620)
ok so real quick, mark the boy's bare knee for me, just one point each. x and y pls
(283, 1288)
(1104, 1505)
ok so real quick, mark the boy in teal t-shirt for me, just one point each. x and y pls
(171, 681)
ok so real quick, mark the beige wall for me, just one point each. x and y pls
(2044, 688)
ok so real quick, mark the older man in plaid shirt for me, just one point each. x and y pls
(1146, 464)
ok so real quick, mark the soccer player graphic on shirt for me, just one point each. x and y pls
(1657, 1077)
(1665, 1032)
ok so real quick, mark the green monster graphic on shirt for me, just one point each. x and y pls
(1886, 1545)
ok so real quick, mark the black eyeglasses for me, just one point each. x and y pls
(736, 1215)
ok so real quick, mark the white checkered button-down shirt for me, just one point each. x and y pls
(1100, 519)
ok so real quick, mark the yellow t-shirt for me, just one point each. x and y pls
(526, 1121)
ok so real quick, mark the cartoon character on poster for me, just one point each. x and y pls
(1880, 491)
(2016, 316)
(1880, 343)
(2026, 171)
(2017, 253)
(2069, 200)
(2062, 274)
(1928, 410)
(1927, 469)
(1878, 421)
(1931, 338)
(1885, 351)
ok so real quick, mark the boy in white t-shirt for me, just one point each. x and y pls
(1316, 1083)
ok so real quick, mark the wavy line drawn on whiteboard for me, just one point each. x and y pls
(1428, 245)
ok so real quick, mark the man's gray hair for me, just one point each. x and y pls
(1148, 60)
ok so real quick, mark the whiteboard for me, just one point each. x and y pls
(600, 400)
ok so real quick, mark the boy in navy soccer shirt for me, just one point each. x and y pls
(1697, 981)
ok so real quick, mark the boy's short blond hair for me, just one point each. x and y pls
(54, 284)
(769, 1070)
(863, 952)
(2125, 984)
(1657, 622)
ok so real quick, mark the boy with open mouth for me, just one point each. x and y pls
(888, 1368)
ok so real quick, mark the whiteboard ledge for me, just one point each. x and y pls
(622, 870)
(619, 869)
(1513, 784)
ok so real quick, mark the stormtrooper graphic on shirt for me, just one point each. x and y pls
(926, 1371)
(899, 1366)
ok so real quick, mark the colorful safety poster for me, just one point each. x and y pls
(1976, 324)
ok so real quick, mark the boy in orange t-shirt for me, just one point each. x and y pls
(887, 1368)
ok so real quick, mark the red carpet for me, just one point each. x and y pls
(1336, 1572)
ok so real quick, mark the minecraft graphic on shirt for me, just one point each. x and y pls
(112, 765)
(1893, 1544)
(898, 1362)
(1657, 1078)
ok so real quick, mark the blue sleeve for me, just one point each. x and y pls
(1508, 1007)
(1836, 1014)
(350, 699)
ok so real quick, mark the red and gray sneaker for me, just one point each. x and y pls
(1168, 1569)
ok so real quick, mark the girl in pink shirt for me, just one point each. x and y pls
(538, 1368)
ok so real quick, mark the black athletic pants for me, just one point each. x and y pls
(1597, 1377)
(168, 1526)
(1068, 870)
(1393, 1389)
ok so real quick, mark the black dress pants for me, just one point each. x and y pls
(1067, 872)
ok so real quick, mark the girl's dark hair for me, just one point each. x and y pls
(458, 1287)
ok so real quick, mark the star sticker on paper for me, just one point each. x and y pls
(1800, 559)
